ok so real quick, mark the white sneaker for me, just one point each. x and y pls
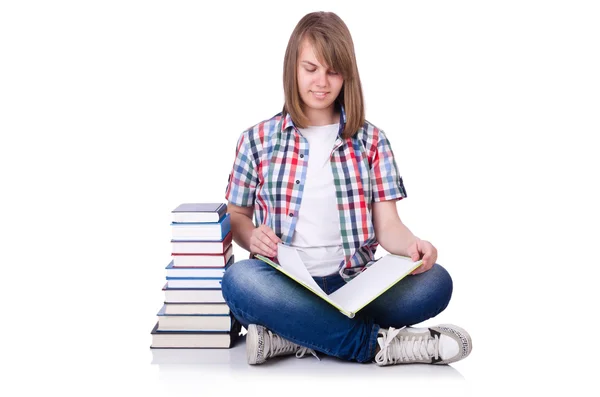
(262, 344)
(443, 344)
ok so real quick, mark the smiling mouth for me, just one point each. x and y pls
(319, 94)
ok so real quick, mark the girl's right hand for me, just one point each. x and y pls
(264, 241)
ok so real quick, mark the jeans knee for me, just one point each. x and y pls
(442, 284)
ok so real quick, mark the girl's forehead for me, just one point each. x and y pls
(308, 52)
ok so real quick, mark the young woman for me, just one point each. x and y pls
(322, 179)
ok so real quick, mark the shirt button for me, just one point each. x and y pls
(301, 156)
(291, 214)
(297, 181)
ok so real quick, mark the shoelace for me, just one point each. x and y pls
(406, 348)
(280, 345)
(303, 350)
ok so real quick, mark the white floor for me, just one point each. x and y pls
(184, 371)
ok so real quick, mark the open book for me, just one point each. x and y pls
(358, 292)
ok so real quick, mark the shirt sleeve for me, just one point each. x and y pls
(241, 186)
(386, 181)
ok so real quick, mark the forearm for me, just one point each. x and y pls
(395, 237)
(242, 227)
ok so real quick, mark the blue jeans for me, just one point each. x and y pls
(258, 294)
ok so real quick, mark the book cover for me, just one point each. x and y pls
(201, 231)
(358, 292)
(179, 247)
(199, 272)
(179, 283)
(198, 212)
(206, 356)
(196, 308)
(193, 295)
(203, 260)
(195, 339)
(193, 322)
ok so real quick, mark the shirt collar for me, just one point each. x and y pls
(288, 123)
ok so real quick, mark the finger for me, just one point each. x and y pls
(427, 262)
(265, 249)
(418, 270)
(271, 235)
(415, 255)
(259, 244)
(267, 240)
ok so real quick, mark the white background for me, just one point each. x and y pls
(112, 113)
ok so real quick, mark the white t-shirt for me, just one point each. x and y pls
(317, 234)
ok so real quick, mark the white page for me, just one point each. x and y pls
(290, 261)
(368, 284)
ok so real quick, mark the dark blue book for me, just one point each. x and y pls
(199, 231)
(198, 212)
(195, 339)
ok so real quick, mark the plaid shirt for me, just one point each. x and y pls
(270, 170)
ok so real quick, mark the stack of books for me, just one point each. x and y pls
(194, 313)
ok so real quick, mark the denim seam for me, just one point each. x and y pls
(373, 342)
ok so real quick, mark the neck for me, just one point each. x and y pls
(318, 117)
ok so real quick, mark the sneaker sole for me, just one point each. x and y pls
(463, 334)
(252, 344)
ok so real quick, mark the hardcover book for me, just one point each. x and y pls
(219, 246)
(193, 295)
(201, 272)
(358, 292)
(201, 231)
(196, 308)
(198, 212)
(195, 339)
(203, 260)
(193, 322)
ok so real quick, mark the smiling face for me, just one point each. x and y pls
(319, 86)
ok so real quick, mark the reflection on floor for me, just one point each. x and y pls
(219, 361)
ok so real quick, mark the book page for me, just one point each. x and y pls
(290, 261)
(372, 282)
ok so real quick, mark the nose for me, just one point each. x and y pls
(321, 79)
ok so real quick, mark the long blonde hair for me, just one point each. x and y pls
(333, 44)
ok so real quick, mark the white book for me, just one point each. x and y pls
(193, 322)
(193, 295)
(196, 308)
(194, 282)
(358, 292)
(201, 231)
(201, 272)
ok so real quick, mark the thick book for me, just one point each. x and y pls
(196, 308)
(193, 295)
(198, 212)
(199, 272)
(196, 277)
(193, 282)
(358, 292)
(219, 246)
(195, 339)
(193, 322)
(201, 231)
(188, 356)
(203, 260)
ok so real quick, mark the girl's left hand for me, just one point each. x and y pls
(422, 249)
